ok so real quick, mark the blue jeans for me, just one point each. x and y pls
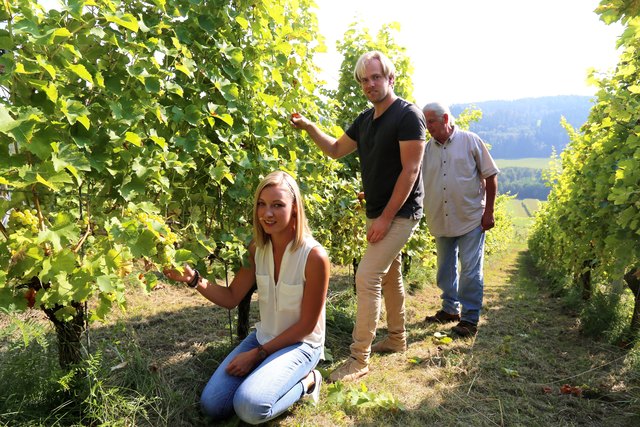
(466, 288)
(269, 390)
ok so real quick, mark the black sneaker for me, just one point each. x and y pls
(442, 317)
(465, 329)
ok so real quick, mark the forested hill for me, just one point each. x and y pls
(527, 127)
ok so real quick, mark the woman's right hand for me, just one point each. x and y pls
(185, 276)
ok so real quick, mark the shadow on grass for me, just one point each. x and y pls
(150, 370)
(176, 339)
(163, 355)
(512, 373)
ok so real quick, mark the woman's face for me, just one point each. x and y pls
(275, 209)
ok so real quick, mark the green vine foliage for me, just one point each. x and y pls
(592, 219)
(133, 133)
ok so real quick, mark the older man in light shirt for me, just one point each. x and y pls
(460, 183)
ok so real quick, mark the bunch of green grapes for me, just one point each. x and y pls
(157, 224)
(24, 219)
(166, 238)
(166, 254)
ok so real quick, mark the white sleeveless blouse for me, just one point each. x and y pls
(280, 303)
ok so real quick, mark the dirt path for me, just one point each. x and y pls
(512, 373)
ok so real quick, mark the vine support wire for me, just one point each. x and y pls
(226, 269)
(86, 306)
(226, 278)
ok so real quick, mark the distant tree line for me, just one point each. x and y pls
(527, 127)
(526, 183)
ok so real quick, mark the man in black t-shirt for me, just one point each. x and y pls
(390, 139)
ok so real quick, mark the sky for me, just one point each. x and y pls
(466, 51)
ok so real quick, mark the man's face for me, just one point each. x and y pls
(374, 84)
(437, 126)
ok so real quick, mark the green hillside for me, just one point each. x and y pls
(528, 127)
(523, 178)
(529, 162)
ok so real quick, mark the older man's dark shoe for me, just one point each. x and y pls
(442, 317)
(465, 329)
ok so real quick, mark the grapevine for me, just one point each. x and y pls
(135, 129)
(588, 231)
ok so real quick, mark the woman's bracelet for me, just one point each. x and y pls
(196, 279)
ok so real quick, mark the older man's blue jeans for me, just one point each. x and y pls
(461, 292)
(269, 390)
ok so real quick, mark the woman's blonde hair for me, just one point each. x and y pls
(284, 180)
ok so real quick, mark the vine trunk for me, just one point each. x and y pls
(69, 334)
(633, 282)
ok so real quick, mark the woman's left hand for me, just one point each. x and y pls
(242, 364)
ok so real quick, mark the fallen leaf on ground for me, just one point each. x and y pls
(511, 372)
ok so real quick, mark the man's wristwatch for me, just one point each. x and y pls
(262, 353)
(196, 278)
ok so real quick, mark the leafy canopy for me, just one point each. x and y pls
(134, 132)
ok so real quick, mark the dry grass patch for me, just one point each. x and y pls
(526, 342)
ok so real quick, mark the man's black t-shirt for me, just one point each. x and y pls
(379, 150)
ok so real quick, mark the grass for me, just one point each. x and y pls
(521, 212)
(522, 208)
(516, 209)
(151, 363)
(530, 162)
(530, 206)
